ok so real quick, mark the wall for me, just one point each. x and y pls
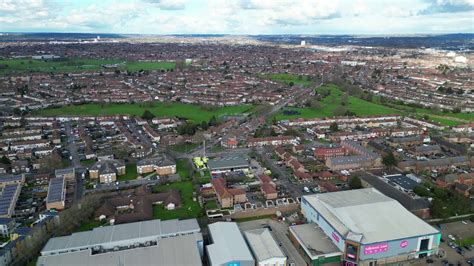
(312, 217)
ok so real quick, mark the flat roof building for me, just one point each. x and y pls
(228, 246)
(316, 247)
(369, 227)
(153, 242)
(56, 198)
(228, 164)
(264, 248)
(8, 199)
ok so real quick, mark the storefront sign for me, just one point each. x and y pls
(377, 248)
(335, 237)
(404, 244)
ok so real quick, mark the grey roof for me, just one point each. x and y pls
(403, 181)
(228, 244)
(56, 189)
(263, 245)
(8, 199)
(160, 160)
(350, 159)
(107, 166)
(236, 161)
(65, 171)
(368, 216)
(313, 240)
(112, 235)
(179, 250)
(11, 178)
(390, 191)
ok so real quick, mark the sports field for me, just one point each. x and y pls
(78, 65)
(195, 113)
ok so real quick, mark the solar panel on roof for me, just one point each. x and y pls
(55, 190)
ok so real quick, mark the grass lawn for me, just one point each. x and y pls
(88, 226)
(183, 169)
(77, 65)
(465, 242)
(211, 205)
(185, 147)
(88, 163)
(189, 208)
(195, 113)
(130, 173)
(205, 177)
(328, 104)
(288, 78)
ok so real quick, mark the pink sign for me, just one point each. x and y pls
(377, 248)
(335, 237)
(404, 244)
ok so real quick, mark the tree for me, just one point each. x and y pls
(344, 99)
(5, 160)
(316, 105)
(389, 160)
(334, 127)
(339, 111)
(355, 182)
(148, 115)
(213, 121)
(204, 125)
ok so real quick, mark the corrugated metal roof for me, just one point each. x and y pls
(369, 213)
(228, 244)
(263, 245)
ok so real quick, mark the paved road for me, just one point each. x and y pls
(122, 185)
(295, 190)
(71, 146)
(75, 161)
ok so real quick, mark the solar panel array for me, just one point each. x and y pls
(55, 190)
(7, 197)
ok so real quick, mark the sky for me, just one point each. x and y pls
(368, 17)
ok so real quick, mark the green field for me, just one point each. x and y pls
(195, 113)
(130, 173)
(328, 104)
(365, 108)
(288, 78)
(183, 169)
(189, 208)
(78, 65)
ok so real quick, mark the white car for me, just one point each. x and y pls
(451, 237)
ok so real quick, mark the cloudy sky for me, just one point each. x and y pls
(238, 16)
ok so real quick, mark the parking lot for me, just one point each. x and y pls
(459, 230)
(279, 232)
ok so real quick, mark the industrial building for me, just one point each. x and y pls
(153, 242)
(228, 164)
(315, 246)
(369, 227)
(264, 248)
(228, 246)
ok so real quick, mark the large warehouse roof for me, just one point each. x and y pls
(263, 245)
(108, 235)
(368, 216)
(180, 250)
(228, 244)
